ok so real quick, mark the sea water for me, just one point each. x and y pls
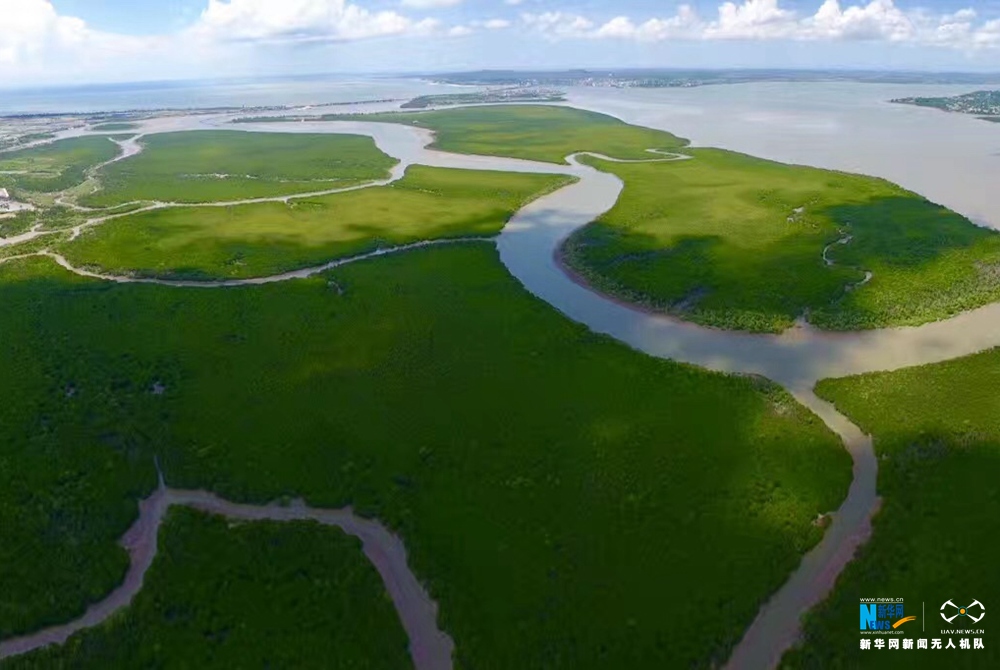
(298, 91)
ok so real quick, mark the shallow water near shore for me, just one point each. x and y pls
(295, 91)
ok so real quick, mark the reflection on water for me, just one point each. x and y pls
(952, 159)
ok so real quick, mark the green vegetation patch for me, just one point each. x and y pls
(33, 245)
(268, 238)
(937, 436)
(10, 141)
(242, 595)
(115, 126)
(205, 166)
(50, 168)
(504, 96)
(55, 217)
(17, 223)
(565, 498)
(978, 102)
(738, 242)
(534, 132)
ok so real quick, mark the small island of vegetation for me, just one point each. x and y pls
(984, 104)
(115, 126)
(492, 96)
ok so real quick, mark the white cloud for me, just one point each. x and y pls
(876, 20)
(754, 19)
(33, 28)
(988, 34)
(476, 26)
(301, 20)
(683, 23)
(39, 45)
(430, 4)
(558, 24)
(880, 19)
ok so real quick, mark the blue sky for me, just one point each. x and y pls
(80, 41)
(143, 17)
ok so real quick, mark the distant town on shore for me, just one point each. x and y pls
(984, 104)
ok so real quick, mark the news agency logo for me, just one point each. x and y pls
(976, 611)
(883, 616)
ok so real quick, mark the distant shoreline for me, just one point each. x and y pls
(984, 104)
(113, 115)
(689, 78)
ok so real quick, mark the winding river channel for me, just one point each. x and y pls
(430, 649)
(528, 247)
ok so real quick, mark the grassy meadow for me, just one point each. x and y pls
(269, 238)
(937, 435)
(205, 166)
(737, 242)
(565, 498)
(245, 595)
(535, 132)
(54, 167)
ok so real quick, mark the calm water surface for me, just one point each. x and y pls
(206, 94)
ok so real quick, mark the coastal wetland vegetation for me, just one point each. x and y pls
(534, 132)
(115, 126)
(50, 218)
(224, 165)
(240, 595)
(14, 224)
(269, 238)
(504, 96)
(518, 454)
(54, 167)
(13, 141)
(737, 242)
(937, 437)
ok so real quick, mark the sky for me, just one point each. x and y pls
(46, 42)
